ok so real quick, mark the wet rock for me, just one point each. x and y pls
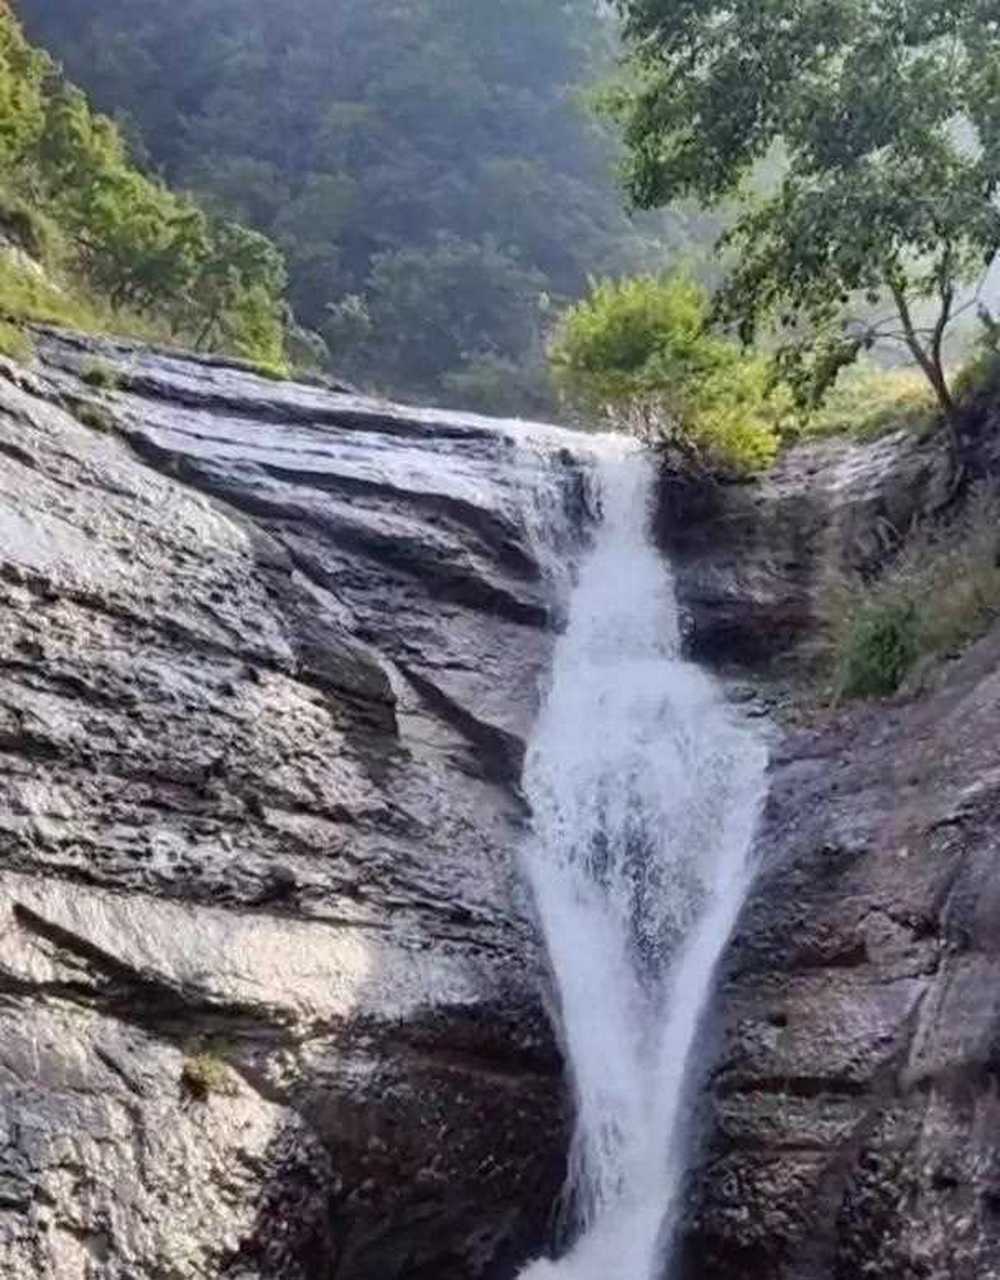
(750, 559)
(853, 1109)
(267, 657)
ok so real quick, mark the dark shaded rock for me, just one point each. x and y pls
(854, 1105)
(749, 559)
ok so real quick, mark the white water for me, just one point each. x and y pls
(645, 790)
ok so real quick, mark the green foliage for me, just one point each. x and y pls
(23, 73)
(889, 118)
(27, 227)
(204, 1075)
(73, 198)
(96, 418)
(639, 351)
(14, 342)
(869, 402)
(428, 170)
(978, 381)
(100, 376)
(28, 295)
(442, 308)
(879, 649)
(940, 592)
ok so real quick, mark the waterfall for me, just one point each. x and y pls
(645, 788)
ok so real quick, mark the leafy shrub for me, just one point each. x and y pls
(880, 648)
(96, 418)
(204, 1074)
(14, 342)
(639, 353)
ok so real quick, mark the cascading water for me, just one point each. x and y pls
(645, 790)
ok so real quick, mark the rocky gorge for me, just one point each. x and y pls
(273, 1002)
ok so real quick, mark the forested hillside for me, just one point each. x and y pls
(93, 242)
(430, 170)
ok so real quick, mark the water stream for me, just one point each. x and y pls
(645, 789)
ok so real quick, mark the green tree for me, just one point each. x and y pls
(639, 353)
(236, 294)
(433, 311)
(889, 119)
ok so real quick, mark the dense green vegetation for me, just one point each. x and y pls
(888, 121)
(940, 592)
(430, 170)
(640, 353)
(118, 249)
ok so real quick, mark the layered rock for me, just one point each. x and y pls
(269, 997)
(750, 560)
(855, 1100)
(850, 1126)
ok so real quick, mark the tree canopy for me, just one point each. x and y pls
(430, 169)
(888, 117)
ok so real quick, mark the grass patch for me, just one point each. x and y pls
(96, 418)
(940, 594)
(273, 372)
(28, 227)
(34, 297)
(101, 376)
(204, 1075)
(14, 342)
(869, 402)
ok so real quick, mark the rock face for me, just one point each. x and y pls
(852, 1116)
(269, 997)
(855, 1102)
(269, 990)
(749, 559)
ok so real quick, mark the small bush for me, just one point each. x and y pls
(96, 418)
(640, 353)
(204, 1075)
(880, 648)
(101, 376)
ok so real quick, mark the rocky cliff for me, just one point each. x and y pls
(269, 991)
(269, 1000)
(851, 1117)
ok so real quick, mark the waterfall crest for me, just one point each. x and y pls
(645, 790)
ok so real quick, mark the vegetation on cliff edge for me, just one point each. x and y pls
(94, 243)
